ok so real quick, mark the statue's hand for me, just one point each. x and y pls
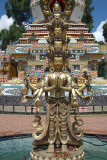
(85, 74)
(24, 93)
(59, 81)
(56, 82)
(89, 97)
(24, 99)
(38, 104)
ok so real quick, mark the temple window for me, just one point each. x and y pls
(36, 51)
(38, 67)
(42, 57)
(41, 51)
(73, 51)
(72, 56)
(76, 67)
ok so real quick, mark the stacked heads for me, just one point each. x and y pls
(58, 41)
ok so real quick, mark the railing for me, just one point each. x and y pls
(31, 110)
(13, 104)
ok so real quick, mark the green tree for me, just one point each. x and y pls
(100, 42)
(87, 17)
(19, 10)
(105, 31)
(12, 35)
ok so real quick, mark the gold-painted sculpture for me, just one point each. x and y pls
(58, 129)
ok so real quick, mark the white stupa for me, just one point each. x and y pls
(78, 11)
(36, 10)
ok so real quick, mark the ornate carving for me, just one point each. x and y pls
(66, 6)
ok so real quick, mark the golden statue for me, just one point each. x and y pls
(58, 129)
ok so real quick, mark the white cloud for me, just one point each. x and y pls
(5, 22)
(26, 25)
(99, 32)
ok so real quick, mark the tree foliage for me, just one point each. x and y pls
(100, 42)
(87, 17)
(7, 36)
(19, 10)
(105, 31)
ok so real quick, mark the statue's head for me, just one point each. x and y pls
(58, 45)
(58, 63)
(58, 31)
(56, 7)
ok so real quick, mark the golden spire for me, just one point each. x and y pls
(79, 20)
(35, 21)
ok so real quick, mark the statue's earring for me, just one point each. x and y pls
(64, 70)
(52, 69)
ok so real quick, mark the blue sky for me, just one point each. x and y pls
(99, 14)
(2, 10)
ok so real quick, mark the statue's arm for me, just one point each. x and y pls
(85, 86)
(38, 91)
(68, 87)
(47, 88)
(39, 94)
(29, 84)
(41, 88)
(87, 77)
(32, 87)
(33, 96)
(74, 93)
(84, 97)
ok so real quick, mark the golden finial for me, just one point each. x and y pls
(35, 21)
(79, 20)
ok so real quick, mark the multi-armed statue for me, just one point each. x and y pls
(58, 131)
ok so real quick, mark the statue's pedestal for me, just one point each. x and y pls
(77, 154)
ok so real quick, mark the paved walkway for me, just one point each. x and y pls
(21, 124)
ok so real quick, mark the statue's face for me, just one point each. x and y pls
(57, 7)
(58, 62)
(58, 45)
(58, 31)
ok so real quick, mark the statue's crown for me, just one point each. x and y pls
(57, 3)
